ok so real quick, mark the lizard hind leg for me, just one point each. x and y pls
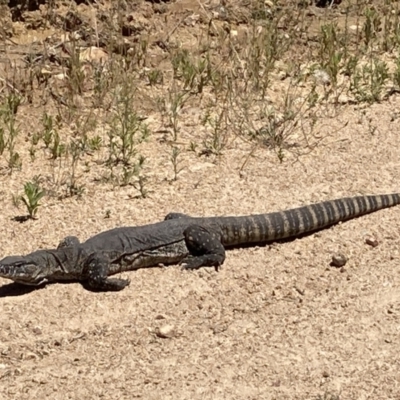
(96, 271)
(205, 248)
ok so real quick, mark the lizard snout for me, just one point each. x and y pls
(18, 269)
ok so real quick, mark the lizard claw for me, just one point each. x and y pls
(196, 263)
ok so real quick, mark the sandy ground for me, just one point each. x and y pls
(275, 323)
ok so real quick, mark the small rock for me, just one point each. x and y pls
(338, 260)
(166, 331)
(37, 330)
(371, 241)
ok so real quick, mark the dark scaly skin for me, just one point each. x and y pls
(196, 242)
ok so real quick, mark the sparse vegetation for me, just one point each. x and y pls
(100, 90)
(228, 75)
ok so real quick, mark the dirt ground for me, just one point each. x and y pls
(276, 322)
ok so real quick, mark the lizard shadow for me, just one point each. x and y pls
(14, 289)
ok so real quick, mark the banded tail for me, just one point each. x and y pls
(291, 223)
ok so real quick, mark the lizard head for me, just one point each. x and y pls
(23, 269)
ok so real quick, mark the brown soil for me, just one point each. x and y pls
(275, 323)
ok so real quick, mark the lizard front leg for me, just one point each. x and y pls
(96, 271)
(205, 248)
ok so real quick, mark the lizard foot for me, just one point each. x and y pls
(96, 269)
(108, 285)
(208, 260)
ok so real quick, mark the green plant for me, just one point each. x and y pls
(193, 147)
(74, 68)
(3, 140)
(141, 186)
(125, 129)
(265, 47)
(193, 72)
(215, 142)
(155, 76)
(176, 100)
(14, 161)
(330, 53)
(48, 130)
(176, 151)
(75, 149)
(102, 81)
(371, 25)
(396, 74)
(94, 143)
(16, 200)
(57, 148)
(9, 129)
(32, 153)
(368, 81)
(391, 26)
(33, 194)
